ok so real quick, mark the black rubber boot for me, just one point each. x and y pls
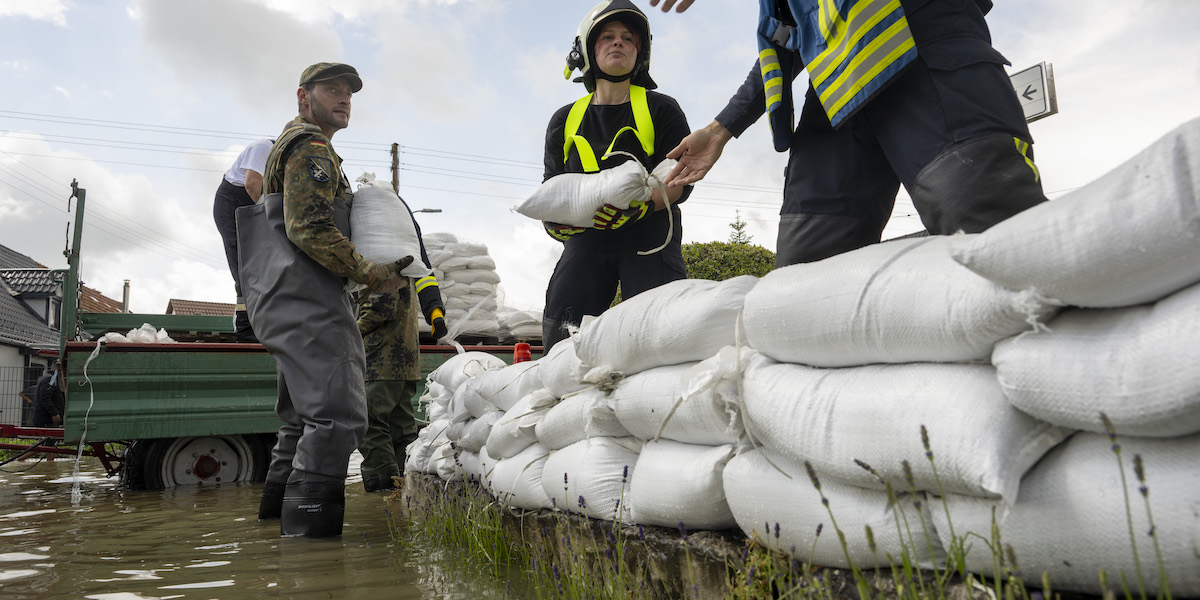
(241, 327)
(380, 482)
(272, 501)
(313, 508)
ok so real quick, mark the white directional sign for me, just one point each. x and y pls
(1035, 90)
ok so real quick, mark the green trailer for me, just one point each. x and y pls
(192, 412)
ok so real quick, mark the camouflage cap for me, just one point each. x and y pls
(325, 71)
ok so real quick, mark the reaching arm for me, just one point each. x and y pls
(697, 153)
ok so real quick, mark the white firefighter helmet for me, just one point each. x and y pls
(581, 57)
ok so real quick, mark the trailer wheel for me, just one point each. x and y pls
(167, 462)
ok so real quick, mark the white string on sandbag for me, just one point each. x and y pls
(655, 181)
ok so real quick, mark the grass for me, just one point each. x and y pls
(572, 557)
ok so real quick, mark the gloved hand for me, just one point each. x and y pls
(437, 322)
(560, 232)
(611, 217)
(383, 278)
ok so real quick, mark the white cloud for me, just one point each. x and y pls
(62, 91)
(234, 46)
(53, 11)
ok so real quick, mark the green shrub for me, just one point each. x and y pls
(719, 261)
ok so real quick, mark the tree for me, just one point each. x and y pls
(739, 235)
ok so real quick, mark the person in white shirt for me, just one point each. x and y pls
(241, 186)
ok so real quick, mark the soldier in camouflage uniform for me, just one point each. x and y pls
(388, 323)
(296, 261)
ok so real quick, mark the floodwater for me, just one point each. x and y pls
(198, 543)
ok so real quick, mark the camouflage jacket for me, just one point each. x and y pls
(304, 166)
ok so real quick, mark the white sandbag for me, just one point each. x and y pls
(899, 301)
(416, 454)
(439, 239)
(591, 477)
(476, 431)
(573, 198)
(831, 417)
(579, 416)
(694, 403)
(473, 275)
(481, 287)
(517, 481)
(785, 513)
(682, 321)
(481, 261)
(681, 483)
(504, 387)
(432, 437)
(514, 431)
(464, 366)
(1130, 237)
(382, 228)
(458, 411)
(435, 400)
(1135, 364)
(562, 373)
(466, 248)
(436, 256)
(1070, 517)
(472, 466)
(446, 464)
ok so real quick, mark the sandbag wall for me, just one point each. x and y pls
(469, 285)
(768, 404)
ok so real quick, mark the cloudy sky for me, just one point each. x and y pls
(146, 102)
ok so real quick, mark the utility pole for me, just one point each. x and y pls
(396, 168)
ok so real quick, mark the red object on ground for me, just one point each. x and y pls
(521, 353)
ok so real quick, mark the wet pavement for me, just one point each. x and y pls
(106, 543)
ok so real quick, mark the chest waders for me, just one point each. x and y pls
(304, 317)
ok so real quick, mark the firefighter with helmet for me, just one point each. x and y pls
(621, 114)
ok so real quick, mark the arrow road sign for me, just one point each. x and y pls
(1035, 89)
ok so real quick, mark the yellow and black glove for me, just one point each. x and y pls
(561, 232)
(437, 321)
(611, 217)
(383, 278)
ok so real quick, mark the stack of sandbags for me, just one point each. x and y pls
(468, 281)
(871, 361)
(1123, 255)
(519, 325)
(688, 417)
(437, 448)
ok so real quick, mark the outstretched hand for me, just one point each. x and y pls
(697, 153)
(667, 4)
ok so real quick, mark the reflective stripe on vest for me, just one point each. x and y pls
(644, 130)
(851, 51)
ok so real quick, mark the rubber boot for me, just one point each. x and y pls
(241, 327)
(380, 482)
(272, 501)
(313, 506)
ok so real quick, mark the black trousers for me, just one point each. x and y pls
(230, 198)
(585, 282)
(953, 134)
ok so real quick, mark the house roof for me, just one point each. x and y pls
(175, 306)
(11, 259)
(19, 326)
(30, 281)
(94, 302)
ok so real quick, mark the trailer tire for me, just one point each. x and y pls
(160, 463)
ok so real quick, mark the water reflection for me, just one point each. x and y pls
(195, 543)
